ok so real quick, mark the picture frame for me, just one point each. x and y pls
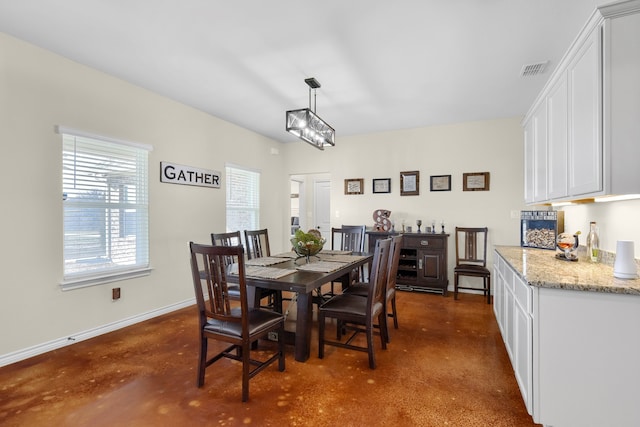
(440, 183)
(410, 183)
(382, 185)
(354, 186)
(475, 181)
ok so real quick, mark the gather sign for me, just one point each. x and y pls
(187, 175)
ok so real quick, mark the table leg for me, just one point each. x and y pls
(304, 319)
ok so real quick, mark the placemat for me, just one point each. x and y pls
(335, 252)
(286, 255)
(265, 261)
(322, 266)
(346, 259)
(263, 272)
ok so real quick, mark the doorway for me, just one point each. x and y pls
(311, 203)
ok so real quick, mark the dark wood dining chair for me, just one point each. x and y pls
(257, 242)
(233, 238)
(229, 321)
(346, 238)
(360, 314)
(362, 289)
(471, 259)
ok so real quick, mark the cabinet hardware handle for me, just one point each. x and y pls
(424, 242)
(420, 264)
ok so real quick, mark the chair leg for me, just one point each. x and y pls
(384, 330)
(320, 335)
(394, 312)
(281, 348)
(246, 367)
(202, 362)
(455, 286)
(488, 290)
(372, 357)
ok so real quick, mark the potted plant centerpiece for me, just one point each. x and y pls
(307, 244)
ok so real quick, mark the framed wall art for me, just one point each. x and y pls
(382, 185)
(440, 182)
(354, 186)
(410, 183)
(475, 181)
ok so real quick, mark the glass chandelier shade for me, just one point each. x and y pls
(308, 126)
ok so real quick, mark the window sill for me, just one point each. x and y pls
(71, 284)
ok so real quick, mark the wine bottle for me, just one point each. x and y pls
(593, 242)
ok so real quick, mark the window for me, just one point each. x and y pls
(105, 209)
(243, 199)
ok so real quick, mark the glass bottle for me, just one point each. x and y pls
(593, 242)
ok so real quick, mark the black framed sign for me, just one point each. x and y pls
(382, 185)
(441, 183)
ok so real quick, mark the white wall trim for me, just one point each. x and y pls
(35, 350)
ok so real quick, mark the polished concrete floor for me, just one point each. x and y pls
(445, 366)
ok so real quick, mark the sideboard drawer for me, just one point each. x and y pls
(423, 241)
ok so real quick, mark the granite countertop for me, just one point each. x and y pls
(540, 268)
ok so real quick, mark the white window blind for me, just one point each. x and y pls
(106, 209)
(243, 199)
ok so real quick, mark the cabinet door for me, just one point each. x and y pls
(509, 333)
(523, 353)
(536, 156)
(585, 142)
(557, 140)
(430, 266)
(529, 163)
(498, 294)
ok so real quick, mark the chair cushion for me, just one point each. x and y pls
(471, 269)
(259, 320)
(349, 305)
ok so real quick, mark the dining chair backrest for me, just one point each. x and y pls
(257, 242)
(227, 239)
(394, 261)
(209, 270)
(348, 238)
(471, 245)
(377, 286)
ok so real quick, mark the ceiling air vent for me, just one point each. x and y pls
(531, 70)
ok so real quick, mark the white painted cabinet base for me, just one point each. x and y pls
(575, 354)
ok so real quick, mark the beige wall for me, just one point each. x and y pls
(491, 146)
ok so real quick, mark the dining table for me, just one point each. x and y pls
(302, 275)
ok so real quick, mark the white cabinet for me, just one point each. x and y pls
(535, 141)
(585, 143)
(574, 352)
(513, 308)
(558, 139)
(588, 111)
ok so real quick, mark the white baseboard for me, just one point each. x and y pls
(16, 356)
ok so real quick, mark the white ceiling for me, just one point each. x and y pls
(383, 64)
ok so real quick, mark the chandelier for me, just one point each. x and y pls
(307, 125)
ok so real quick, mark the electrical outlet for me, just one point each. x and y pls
(115, 293)
(515, 214)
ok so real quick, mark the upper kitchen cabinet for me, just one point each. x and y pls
(582, 134)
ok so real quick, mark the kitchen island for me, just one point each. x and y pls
(571, 331)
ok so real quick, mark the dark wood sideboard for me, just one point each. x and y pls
(423, 261)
